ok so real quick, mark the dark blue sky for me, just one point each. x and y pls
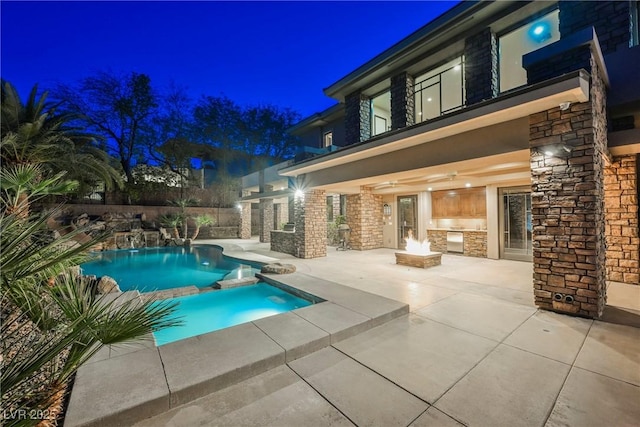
(282, 53)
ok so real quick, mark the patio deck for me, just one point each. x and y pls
(473, 350)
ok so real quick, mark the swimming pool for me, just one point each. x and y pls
(153, 269)
(210, 311)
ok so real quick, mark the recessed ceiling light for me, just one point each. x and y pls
(538, 30)
(468, 184)
(429, 189)
(429, 99)
(457, 67)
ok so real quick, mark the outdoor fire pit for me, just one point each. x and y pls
(417, 260)
(418, 255)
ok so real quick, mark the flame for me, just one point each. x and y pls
(417, 248)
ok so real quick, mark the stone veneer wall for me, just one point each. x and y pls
(438, 239)
(364, 217)
(311, 224)
(266, 219)
(245, 221)
(283, 241)
(621, 216)
(481, 66)
(475, 243)
(357, 118)
(402, 101)
(568, 205)
(610, 19)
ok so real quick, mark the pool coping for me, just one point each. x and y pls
(124, 384)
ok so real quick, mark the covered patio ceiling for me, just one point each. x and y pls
(507, 169)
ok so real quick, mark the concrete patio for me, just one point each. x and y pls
(473, 350)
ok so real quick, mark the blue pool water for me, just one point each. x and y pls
(153, 269)
(210, 311)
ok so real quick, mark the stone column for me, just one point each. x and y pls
(609, 18)
(364, 216)
(621, 216)
(402, 101)
(357, 118)
(266, 219)
(311, 224)
(568, 205)
(245, 220)
(481, 66)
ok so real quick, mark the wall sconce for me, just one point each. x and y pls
(564, 106)
(386, 209)
(557, 150)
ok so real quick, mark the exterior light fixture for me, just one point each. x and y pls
(557, 150)
(564, 106)
(298, 194)
(239, 206)
(428, 99)
(540, 32)
(429, 189)
(468, 184)
(457, 67)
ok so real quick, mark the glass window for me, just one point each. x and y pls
(381, 113)
(514, 45)
(327, 139)
(439, 91)
(343, 205)
(329, 208)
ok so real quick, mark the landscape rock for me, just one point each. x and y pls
(108, 285)
(278, 268)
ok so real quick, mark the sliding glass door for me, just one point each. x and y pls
(407, 219)
(515, 224)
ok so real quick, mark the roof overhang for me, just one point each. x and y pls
(572, 87)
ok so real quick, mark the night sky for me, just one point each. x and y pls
(281, 53)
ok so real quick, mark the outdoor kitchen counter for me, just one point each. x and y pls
(474, 241)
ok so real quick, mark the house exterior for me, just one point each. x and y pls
(500, 129)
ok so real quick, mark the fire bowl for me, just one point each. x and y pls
(416, 260)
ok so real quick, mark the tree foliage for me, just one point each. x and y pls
(120, 107)
(36, 132)
(51, 320)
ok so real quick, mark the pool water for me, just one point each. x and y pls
(153, 269)
(210, 311)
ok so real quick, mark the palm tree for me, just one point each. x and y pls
(51, 320)
(172, 222)
(22, 184)
(201, 220)
(34, 132)
(51, 327)
(182, 215)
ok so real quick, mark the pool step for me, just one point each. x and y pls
(235, 283)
